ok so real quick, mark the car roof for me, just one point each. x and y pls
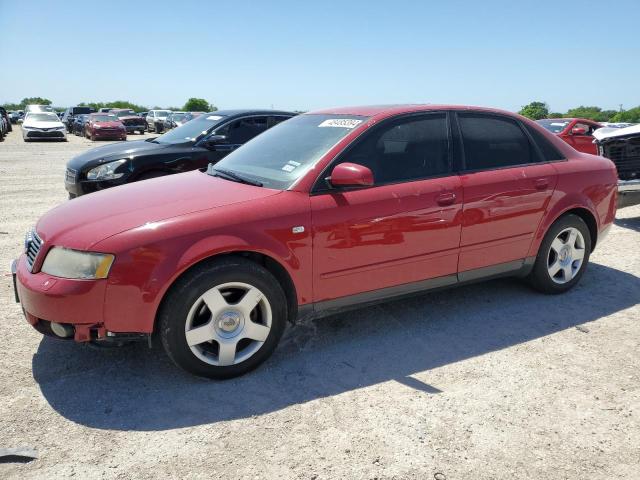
(382, 111)
(248, 111)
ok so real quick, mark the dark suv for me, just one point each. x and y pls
(204, 140)
(70, 113)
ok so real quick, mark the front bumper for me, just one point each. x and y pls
(31, 134)
(47, 299)
(628, 193)
(135, 128)
(117, 134)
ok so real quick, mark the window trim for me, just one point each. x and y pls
(320, 187)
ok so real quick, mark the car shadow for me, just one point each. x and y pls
(632, 223)
(138, 388)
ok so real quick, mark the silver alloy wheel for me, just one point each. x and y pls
(228, 324)
(566, 255)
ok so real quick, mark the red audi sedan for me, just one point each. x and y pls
(104, 126)
(326, 211)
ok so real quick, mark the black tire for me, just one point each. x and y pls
(540, 278)
(188, 289)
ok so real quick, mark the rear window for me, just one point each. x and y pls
(549, 152)
(493, 142)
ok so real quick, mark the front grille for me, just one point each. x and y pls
(132, 121)
(70, 176)
(33, 244)
(625, 153)
(47, 134)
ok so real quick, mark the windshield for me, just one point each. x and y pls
(43, 117)
(162, 113)
(284, 153)
(104, 118)
(124, 113)
(191, 131)
(178, 116)
(77, 110)
(554, 125)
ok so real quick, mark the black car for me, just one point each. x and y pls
(206, 139)
(6, 121)
(77, 127)
(70, 114)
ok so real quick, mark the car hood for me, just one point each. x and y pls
(43, 124)
(607, 133)
(114, 151)
(82, 222)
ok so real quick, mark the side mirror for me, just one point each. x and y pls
(350, 175)
(213, 140)
(578, 131)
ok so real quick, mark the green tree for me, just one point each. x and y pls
(198, 105)
(555, 115)
(535, 110)
(35, 101)
(592, 113)
(632, 115)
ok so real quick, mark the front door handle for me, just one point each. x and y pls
(445, 199)
(542, 184)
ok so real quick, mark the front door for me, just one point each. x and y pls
(404, 229)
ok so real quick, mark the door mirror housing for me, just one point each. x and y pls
(350, 175)
(578, 131)
(213, 140)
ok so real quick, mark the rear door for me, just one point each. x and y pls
(404, 229)
(507, 187)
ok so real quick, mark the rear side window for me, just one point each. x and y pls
(493, 142)
(405, 150)
(549, 152)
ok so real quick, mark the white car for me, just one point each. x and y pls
(156, 119)
(38, 125)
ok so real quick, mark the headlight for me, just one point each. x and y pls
(59, 128)
(65, 263)
(106, 171)
(96, 126)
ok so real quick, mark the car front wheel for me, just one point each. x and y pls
(563, 255)
(223, 319)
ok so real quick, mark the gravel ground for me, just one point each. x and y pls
(487, 381)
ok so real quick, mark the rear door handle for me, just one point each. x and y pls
(445, 199)
(542, 184)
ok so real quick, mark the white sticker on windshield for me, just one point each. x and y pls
(214, 117)
(559, 124)
(289, 168)
(341, 122)
(295, 164)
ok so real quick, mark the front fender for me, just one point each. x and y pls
(141, 276)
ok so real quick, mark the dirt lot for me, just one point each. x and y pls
(487, 381)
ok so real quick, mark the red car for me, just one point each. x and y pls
(104, 126)
(577, 132)
(326, 211)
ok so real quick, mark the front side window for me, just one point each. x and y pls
(241, 131)
(493, 142)
(405, 150)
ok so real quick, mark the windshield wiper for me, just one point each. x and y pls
(233, 176)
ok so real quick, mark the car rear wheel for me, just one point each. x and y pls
(563, 256)
(223, 319)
